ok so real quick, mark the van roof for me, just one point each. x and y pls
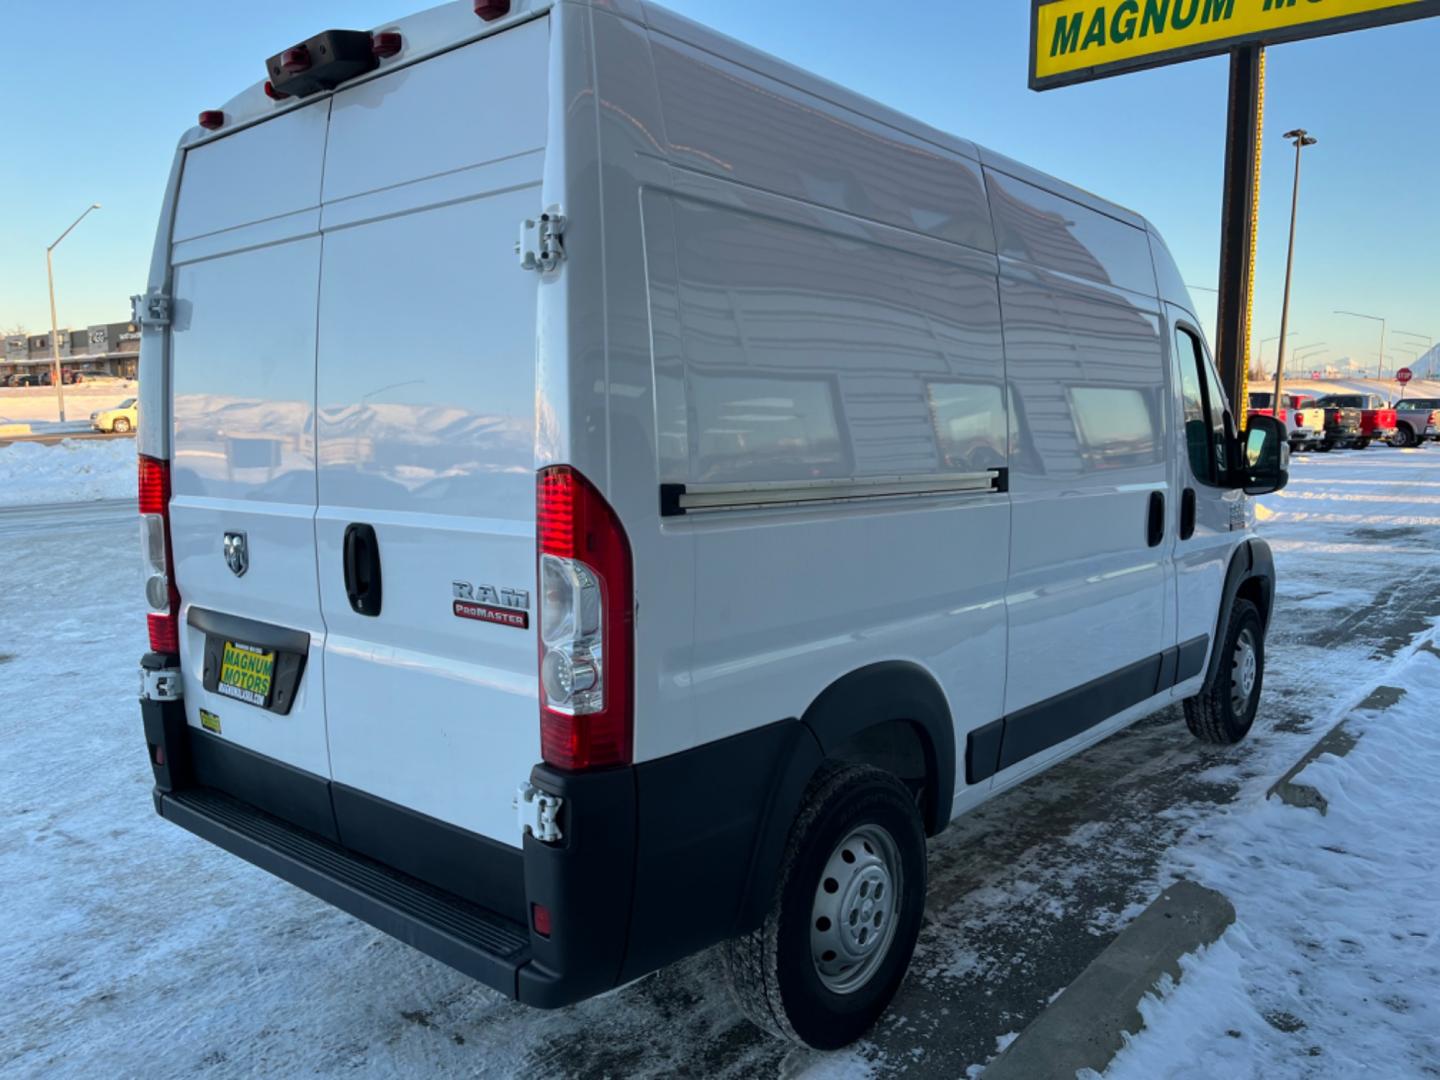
(448, 26)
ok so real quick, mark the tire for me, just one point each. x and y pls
(121, 426)
(1325, 447)
(1362, 444)
(788, 977)
(1402, 438)
(1223, 713)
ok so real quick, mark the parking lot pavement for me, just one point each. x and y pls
(135, 948)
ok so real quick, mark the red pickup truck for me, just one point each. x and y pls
(1377, 419)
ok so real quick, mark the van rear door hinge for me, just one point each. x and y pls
(542, 243)
(150, 309)
(538, 813)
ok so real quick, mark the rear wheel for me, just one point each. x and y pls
(121, 425)
(1362, 444)
(838, 939)
(1403, 437)
(1224, 711)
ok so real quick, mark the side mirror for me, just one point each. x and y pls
(1266, 463)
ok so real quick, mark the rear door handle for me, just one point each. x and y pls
(1187, 514)
(362, 569)
(1155, 526)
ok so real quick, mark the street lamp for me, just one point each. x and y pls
(55, 375)
(1302, 139)
(1266, 341)
(1429, 345)
(1380, 370)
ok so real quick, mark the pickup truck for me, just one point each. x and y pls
(1418, 421)
(1376, 419)
(1304, 425)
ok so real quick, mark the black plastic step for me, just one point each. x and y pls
(481, 943)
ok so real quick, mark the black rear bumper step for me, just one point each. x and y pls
(482, 944)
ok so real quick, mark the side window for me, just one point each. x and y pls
(1204, 410)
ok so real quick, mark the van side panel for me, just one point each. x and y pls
(1089, 596)
(824, 348)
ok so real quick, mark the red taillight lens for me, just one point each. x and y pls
(540, 919)
(293, 61)
(386, 43)
(586, 625)
(492, 9)
(211, 119)
(164, 615)
(154, 486)
(272, 93)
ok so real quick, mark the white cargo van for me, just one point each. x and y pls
(800, 479)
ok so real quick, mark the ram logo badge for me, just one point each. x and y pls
(237, 553)
(485, 603)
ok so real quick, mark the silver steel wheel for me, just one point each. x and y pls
(1244, 671)
(857, 906)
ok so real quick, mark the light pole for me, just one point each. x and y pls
(1266, 341)
(55, 374)
(1302, 139)
(1380, 370)
(1429, 345)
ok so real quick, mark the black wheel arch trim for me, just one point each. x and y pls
(1252, 561)
(882, 693)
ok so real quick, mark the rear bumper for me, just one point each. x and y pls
(658, 860)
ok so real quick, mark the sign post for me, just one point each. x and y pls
(1075, 41)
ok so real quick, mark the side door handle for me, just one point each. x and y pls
(362, 569)
(1187, 514)
(1155, 526)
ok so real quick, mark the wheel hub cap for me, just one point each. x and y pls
(1245, 670)
(857, 900)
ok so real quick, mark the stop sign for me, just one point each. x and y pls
(1404, 375)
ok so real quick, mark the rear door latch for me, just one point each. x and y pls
(542, 243)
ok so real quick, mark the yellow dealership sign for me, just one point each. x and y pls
(1079, 40)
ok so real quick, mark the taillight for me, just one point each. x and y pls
(586, 625)
(160, 592)
(294, 61)
(492, 9)
(386, 43)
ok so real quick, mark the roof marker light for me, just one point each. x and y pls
(295, 60)
(211, 119)
(490, 10)
(386, 43)
(272, 93)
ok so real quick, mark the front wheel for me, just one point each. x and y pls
(1402, 438)
(1224, 711)
(838, 939)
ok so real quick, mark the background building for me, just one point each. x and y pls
(103, 349)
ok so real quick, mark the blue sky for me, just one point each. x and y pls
(96, 94)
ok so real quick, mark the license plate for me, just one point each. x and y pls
(246, 673)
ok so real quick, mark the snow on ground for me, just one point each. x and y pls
(135, 949)
(1333, 965)
(76, 470)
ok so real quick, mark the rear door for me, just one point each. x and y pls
(246, 258)
(426, 432)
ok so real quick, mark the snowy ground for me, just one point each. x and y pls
(1333, 965)
(68, 472)
(136, 949)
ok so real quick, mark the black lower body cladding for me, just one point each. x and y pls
(658, 861)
